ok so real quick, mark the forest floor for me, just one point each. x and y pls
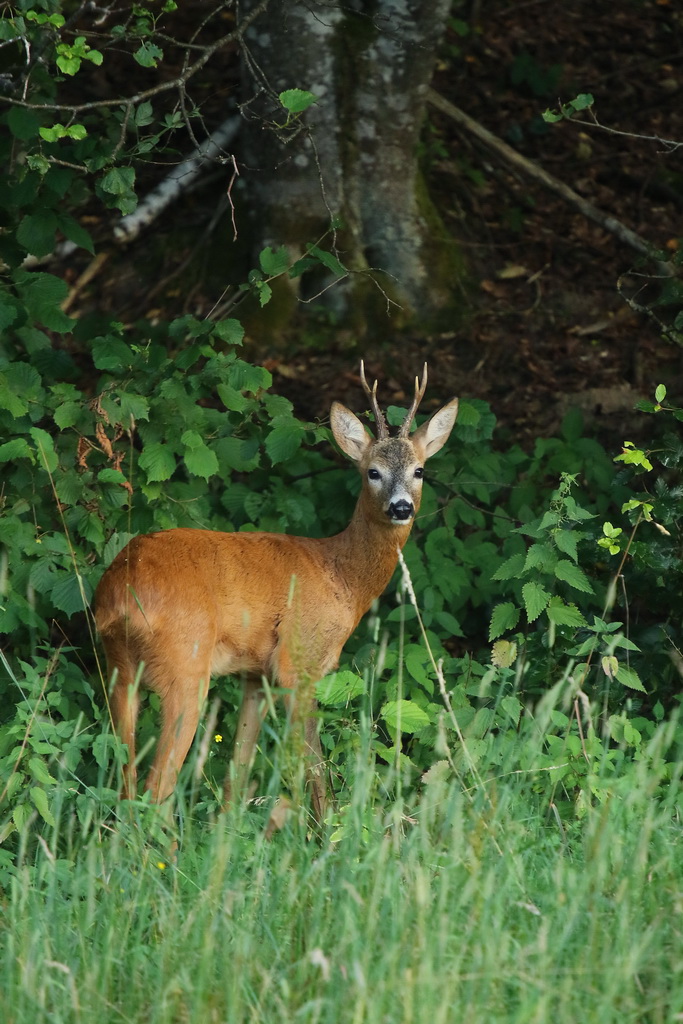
(547, 322)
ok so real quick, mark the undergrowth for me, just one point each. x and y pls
(472, 902)
(503, 735)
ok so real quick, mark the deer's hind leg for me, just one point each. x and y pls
(124, 703)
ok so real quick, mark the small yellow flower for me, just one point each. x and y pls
(161, 865)
(218, 738)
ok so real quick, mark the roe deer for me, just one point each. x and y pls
(179, 606)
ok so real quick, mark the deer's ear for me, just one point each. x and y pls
(435, 432)
(349, 432)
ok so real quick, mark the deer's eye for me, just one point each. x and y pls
(374, 474)
(419, 472)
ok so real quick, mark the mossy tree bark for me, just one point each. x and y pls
(356, 158)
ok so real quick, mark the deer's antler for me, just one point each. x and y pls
(381, 423)
(420, 389)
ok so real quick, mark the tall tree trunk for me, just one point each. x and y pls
(369, 63)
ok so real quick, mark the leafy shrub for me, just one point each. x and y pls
(110, 430)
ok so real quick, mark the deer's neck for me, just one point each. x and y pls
(365, 554)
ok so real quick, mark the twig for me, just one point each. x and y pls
(532, 170)
(145, 94)
(176, 182)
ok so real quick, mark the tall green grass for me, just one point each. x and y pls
(472, 906)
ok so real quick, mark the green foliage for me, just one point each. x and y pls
(584, 101)
(70, 56)
(108, 430)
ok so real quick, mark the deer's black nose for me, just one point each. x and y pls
(400, 510)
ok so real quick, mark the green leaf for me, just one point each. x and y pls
(582, 101)
(535, 598)
(236, 453)
(37, 162)
(43, 295)
(232, 398)
(133, 406)
(201, 461)
(274, 262)
(575, 577)
(67, 414)
(625, 643)
(118, 181)
(284, 440)
(540, 556)
(77, 234)
(144, 114)
(562, 614)
(116, 188)
(449, 623)
(263, 290)
(405, 715)
(551, 116)
(68, 65)
(116, 543)
(39, 798)
(629, 677)
(45, 449)
(299, 267)
(22, 123)
(230, 331)
(9, 310)
(67, 594)
(339, 688)
(11, 402)
(416, 661)
(22, 812)
(468, 414)
(328, 260)
(39, 771)
(246, 377)
(148, 55)
(481, 723)
(103, 747)
(633, 456)
(191, 439)
(70, 487)
(513, 708)
(111, 353)
(566, 541)
(575, 512)
(18, 448)
(36, 232)
(510, 569)
(504, 616)
(660, 393)
(295, 101)
(158, 461)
